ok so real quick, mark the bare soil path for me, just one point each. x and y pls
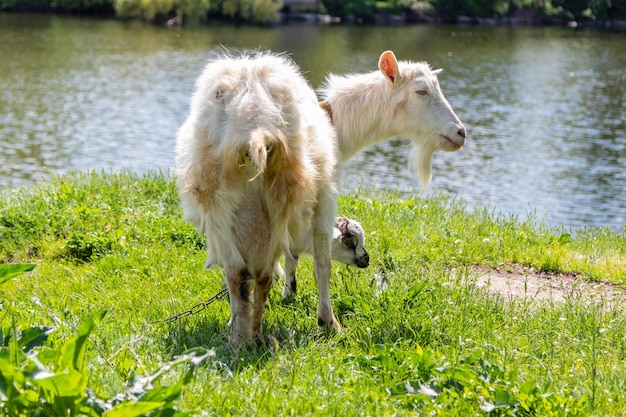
(517, 281)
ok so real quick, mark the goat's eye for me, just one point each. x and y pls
(422, 92)
(349, 243)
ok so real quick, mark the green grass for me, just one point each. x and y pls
(419, 338)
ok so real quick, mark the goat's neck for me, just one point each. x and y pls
(362, 113)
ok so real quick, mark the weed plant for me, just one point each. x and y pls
(114, 258)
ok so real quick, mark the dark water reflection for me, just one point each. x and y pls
(544, 107)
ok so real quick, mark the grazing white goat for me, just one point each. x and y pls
(348, 247)
(402, 99)
(255, 167)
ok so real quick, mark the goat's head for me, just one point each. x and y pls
(349, 243)
(421, 112)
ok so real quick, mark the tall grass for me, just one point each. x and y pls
(419, 337)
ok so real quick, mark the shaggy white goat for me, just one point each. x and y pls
(348, 247)
(401, 99)
(255, 167)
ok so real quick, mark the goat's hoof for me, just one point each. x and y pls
(288, 295)
(332, 324)
(236, 343)
(290, 290)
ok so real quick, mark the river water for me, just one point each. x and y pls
(544, 107)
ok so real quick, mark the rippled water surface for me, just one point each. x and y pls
(545, 108)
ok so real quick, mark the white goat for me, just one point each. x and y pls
(348, 247)
(402, 99)
(255, 167)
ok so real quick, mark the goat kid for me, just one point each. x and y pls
(348, 247)
(255, 168)
(401, 99)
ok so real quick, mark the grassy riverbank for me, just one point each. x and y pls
(419, 336)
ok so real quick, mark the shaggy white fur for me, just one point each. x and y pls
(255, 166)
(401, 99)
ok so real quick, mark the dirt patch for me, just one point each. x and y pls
(516, 281)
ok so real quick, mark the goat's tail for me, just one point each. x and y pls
(288, 176)
(266, 148)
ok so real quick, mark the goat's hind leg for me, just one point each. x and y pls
(261, 293)
(240, 291)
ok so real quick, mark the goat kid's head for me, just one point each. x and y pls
(421, 112)
(349, 243)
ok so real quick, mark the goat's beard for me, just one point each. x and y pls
(420, 162)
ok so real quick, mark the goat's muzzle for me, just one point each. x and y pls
(363, 261)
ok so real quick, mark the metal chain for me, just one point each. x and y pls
(196, 308)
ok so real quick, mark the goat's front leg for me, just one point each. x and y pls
(325, 316)
(323, 222)
(291, 266)
(239, 291)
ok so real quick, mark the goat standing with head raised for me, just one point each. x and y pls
(401, 99)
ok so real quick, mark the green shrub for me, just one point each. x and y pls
(146, 9)
(82, 5)
(259, 11)
(25, 5)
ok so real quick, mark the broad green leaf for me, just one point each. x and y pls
(165, 393)
(460, 375)
(34, 337)
(73, 353)
(504, 397)
(69, 384)
(385, 362)
(529, 388)
(13, 346)
(8, 271)
(564, 239)
(134, 409)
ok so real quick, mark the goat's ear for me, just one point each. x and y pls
(341, 223)
(388, 65)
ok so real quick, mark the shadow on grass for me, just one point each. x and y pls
(212, 333)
